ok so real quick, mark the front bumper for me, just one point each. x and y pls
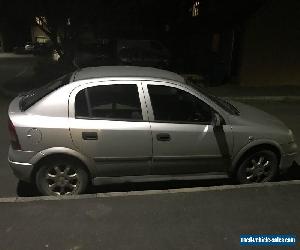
(21, 170)
(287, 159)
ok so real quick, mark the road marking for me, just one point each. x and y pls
(21, 72)
(148, 192)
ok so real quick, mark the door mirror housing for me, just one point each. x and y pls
(216, 120)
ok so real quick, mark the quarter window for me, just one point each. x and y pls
(81, 107)
(116, 102)
(175, 105)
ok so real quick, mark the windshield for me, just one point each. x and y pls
(224, 104)
(31, 97)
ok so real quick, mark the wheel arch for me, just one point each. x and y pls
(253, 147)
(54, 153)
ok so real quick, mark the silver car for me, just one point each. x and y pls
(122, 123)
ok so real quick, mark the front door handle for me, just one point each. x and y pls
(163, 137)
(89, 136)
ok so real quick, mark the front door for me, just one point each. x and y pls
(184, 141)
(111, 127)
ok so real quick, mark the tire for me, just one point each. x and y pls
(61, 177)
(261, 166)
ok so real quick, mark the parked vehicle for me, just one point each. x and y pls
(95, 54)
(19, 50)
(45, 48)
(29, 47)
(34, 48)
(143, 53)
(123, 123)
(122, 52)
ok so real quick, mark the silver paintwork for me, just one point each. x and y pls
(126, 72)
(129, 148)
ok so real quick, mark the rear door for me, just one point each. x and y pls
(109, 123)
(184, 141)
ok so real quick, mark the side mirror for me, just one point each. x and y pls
(216, 120)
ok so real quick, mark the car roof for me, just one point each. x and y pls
(125, 71)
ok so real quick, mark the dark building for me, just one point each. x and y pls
(253, 45)
(270, 53)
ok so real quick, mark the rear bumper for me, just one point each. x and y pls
(19, 161)
(21, 170)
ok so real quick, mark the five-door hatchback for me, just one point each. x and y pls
(124, 123)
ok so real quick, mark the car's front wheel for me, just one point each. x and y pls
(260, 166)
(61, 177)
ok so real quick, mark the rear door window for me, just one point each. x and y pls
(109, 102)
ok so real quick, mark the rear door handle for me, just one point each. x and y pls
(163, 137)
(89, 136)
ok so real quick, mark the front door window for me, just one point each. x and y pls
(177, 106)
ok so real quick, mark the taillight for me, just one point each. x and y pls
(13, 136)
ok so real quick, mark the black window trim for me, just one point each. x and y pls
(108, 119)
(189, 123)
(88, 102)
(181, 122)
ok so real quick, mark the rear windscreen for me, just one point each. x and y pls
(31, 97)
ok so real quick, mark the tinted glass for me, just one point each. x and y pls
(31, 97)
(120, 101)
(226, 105)
(81, 108)
(175, 105)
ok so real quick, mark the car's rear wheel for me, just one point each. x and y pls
(61, 177)
(261, 166)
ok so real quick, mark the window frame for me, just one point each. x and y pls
(176, 86)
(89, 84)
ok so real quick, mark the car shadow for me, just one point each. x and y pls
(25, 189)
(158, 185)
(292, 174)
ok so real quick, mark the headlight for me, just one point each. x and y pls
(291, 136)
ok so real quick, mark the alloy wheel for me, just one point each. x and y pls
(62, 179)
(259, 167)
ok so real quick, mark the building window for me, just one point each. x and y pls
(40, 20)
(195, 10)
(41, 39)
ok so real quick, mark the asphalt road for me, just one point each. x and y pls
(11, 67)
(14, 66)
(212, 219)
